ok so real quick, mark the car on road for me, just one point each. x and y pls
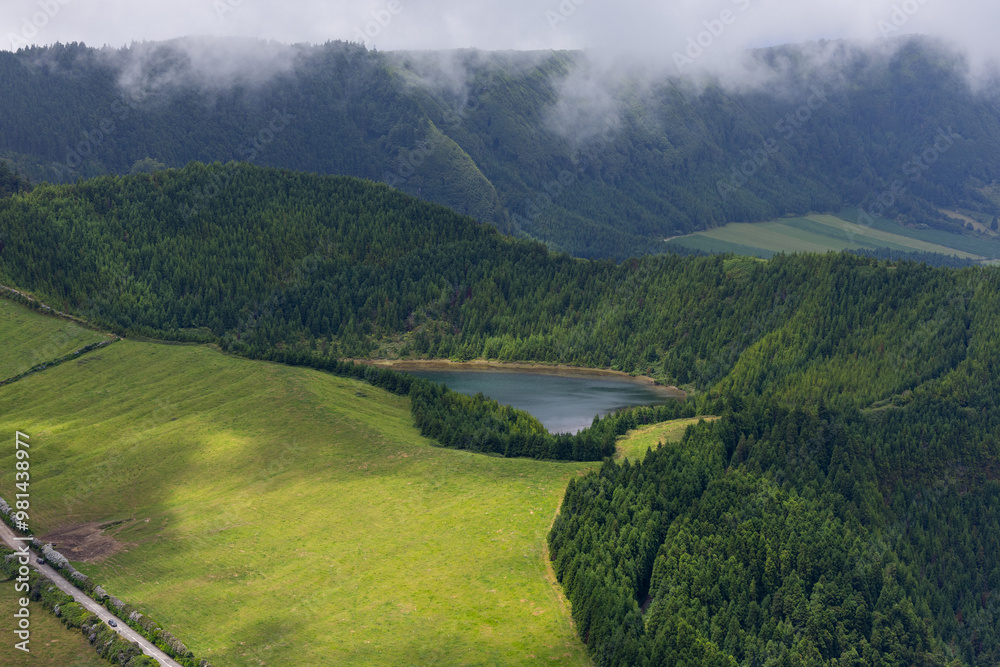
(112, 623)
(41, 561)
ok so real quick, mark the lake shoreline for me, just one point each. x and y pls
(513, 367)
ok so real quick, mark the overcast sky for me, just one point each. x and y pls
(665, 30)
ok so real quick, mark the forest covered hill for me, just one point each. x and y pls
(544, 144)
(343, 268)
(844, 509)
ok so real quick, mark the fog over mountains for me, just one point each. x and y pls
(599, 161)
(655, 29)
(547, 184)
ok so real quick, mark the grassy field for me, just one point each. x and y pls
(825, 233)
(635, 444)
(52, 643)
(30, 338)
(277, 516)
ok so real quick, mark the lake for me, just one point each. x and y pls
(564, 401)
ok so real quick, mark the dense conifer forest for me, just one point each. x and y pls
(844, 509)
(262, 259)
(539, 144)
(781, 536)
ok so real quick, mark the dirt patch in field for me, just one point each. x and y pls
(85, 542)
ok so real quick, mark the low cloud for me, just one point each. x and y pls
(653, 29)
(642, 41)
(201, 61)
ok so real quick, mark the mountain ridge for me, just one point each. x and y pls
(598, 165)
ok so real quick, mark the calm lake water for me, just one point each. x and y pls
(564, 403)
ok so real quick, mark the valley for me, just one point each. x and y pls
(827, 233)
(335, 355)
(286, 516)
(224, 471)
(536, 143)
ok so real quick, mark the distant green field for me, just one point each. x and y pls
(634, 445)
(826, 233)
(29, 338)
(282, 516)
(986, 247)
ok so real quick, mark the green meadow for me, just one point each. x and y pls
(52, 643)
(825, 233)
(634, 445)
(270, 515)
(30, 338)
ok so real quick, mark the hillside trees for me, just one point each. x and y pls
(501, 136)
(773, 542)
(339, 268)
(844, 509)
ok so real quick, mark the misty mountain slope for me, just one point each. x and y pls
(148, 103)
(437, 169)
(337, 110)
(597, 161)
